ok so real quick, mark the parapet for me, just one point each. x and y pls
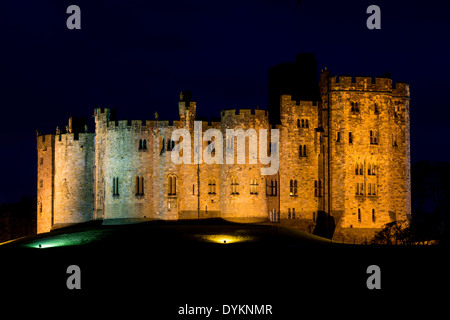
(244, 113)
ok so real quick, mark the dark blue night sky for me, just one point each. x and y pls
(137, 56)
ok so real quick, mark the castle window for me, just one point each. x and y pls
(373, 137)
(359, 215)
(276, 187)
(361, 168)
(291, 188)
(140, 144)
(212, 186)
(144, 144)
(369, 189)
(306, 123)
(354, 106)
(316, 189)
(289, 213)
(253, 186)
(369, 169)
(234, 186)
(357, 189)
(300, 151)
(172, 185)
(376, 110)
(361, 189)
(271, 188)
(303, 123)
(293, 213)
(115, 189)
(139, 186)
(298, 123)
(295, 188)
(304, 151)
(350, 137)
(373, 215)
(338, 136)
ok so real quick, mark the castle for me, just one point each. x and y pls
(344, 161)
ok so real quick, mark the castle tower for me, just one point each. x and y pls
(73, 178)
(366, 149)
(300, 184)
(243, 188)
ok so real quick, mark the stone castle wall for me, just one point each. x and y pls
(121, 177)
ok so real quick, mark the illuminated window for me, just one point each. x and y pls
(291, 188)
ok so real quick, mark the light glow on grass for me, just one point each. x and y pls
(66, 240)
(226, 238)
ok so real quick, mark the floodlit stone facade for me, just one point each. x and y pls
(344, 161)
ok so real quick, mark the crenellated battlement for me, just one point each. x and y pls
(244, 113)
(74, 137)
(377, 84)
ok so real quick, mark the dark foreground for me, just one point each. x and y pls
(152, 269)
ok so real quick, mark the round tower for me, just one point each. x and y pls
(74, 178)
